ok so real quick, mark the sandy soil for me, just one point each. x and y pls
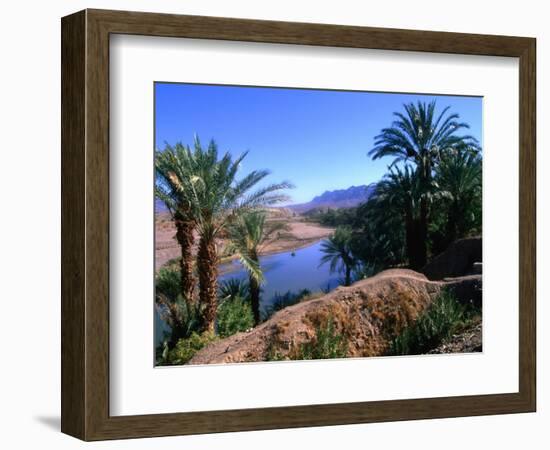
(299, 234)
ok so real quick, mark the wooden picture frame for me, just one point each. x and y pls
(85, 224)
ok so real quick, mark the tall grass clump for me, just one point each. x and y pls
(443, 317)
(326, 344)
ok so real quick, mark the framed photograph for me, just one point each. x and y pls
(273, 225)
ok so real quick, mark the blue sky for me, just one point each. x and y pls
(316, 139)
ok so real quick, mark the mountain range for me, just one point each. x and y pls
(340, 198)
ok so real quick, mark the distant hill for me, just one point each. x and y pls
(340, 198)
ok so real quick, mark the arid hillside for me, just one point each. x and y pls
(369, 314)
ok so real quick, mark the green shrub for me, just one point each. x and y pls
(443, 317)
(234, 315)
(186, 348)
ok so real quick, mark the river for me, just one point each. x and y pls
(286, 271)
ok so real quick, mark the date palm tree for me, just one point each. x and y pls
(338, 252)
(459, 177)
(400, 193)
(421, 137)
(174, 166)
(249, 235)
(217, 198)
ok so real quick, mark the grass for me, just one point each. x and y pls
(326, 344)
(443, 317)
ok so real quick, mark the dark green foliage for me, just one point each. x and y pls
(459, 180)
(443, 317)
(419, 140)
(377, 238)
(419, 135)
(362, 271)
(234, 315)
(233, 288)
(430, 196)
(182, 316)
(338, 252)
(379, 234)
(167, 282)
(332, 217)
(403, 193)
(281, 301)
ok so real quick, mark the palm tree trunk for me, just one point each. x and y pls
(412, 239)
(451, 229)
(254, 288)
(423, 234)
(422, 244)
(347, 281)
(185, 238)
(207, 264)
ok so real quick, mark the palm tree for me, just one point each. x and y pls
(339, 254)
(173, 168)
(249, 235)
(217, 198)
(459, 177)
(400, 193)
(233, 288)
(379, 238)
(421, 137)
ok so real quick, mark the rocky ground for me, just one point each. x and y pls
(467, 341)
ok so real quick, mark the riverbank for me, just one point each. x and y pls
(368, 315)
(298, 235)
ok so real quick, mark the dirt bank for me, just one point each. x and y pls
(369, 313)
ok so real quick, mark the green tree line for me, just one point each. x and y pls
(429, 197)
